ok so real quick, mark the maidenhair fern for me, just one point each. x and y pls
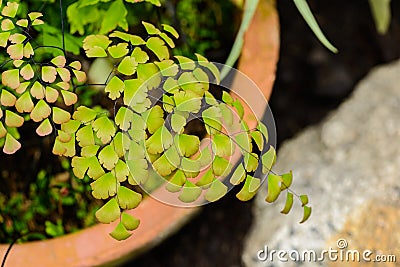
(144, 140)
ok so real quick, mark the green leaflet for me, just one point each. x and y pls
(249, 188)
(115, 17)
(187, 145)
(216, 191)
(190, 192)
(121, 171)
(84, 114)
(159, 141)
(221, 166)
(11, 145)
(306, 214)
(154, 118)
(268, 160)
(108, 157)
(176, 182)
(158, 47)
(85, 136)
(288, 203)
(120, 232)
(105, 186)
(127, 198)
(138, 170)
(238, 175)
(109, 212)
(223, 145)
(104, 128)
(130, 222)
(114, 88)
(127, 66)
(274, 187)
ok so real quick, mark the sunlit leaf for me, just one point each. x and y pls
(150, 28)
(139, 171)
(40, 111)
(216, 191)
(170, 30)
(4, 38)
(85, 136)
(158, 47)
(96, 45)
(11, 145)
(114, 88)
(10, 10)
(119, 50)
(135, 92)
(51, 94)
(190, 192)
(127, 198)
(159, 141)
(64, 74)
(127, 66)
(105, 186)
(187, 145)
(45, 128)
(114, 17)
(27, 72)
(249, 188)
(84, 114)
(223, 145)
(186, 63)
(10, 78)
(177, 122)
(28, 50)
(304, 200)
(7, 25)
(258, 139)
(59, 61)
(3, 130)
(268, 160)
(104, 128)
(176, 182)
(154, 118)
(7, 99)
(250, 161)
(287, 179)
(221, 166)
(130, 222)
(288, 203)
(139, 55)
(238, 175)
(274, 187)
(149, 73)
(187, 101)
(121, 171)
(17, 38)
(164, 166)
(306, 214)
(133, 39)
(108, 157)
(49, 74)
(13, 120)
(120, 232)
(37, 90)
(124, 118)
(171, 85)
(109, 212)
(60, 116)
(70, 98)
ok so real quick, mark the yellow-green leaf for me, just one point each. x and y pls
(127, 198)
(274, 188)
(105, 186)
(13, 120)
(40, 111)
(120, 232)
(306, 214)
(109, 212)
(288, 203)
(11, 145)
(45, 128)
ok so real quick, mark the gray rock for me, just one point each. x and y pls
(349, 166)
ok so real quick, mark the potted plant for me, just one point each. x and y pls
(140, 137)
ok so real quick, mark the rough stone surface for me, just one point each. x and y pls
(350, 168)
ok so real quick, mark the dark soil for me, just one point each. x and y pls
(311, 82)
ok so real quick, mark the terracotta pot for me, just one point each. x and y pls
(93, 246)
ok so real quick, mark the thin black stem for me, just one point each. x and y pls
(62, 28)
